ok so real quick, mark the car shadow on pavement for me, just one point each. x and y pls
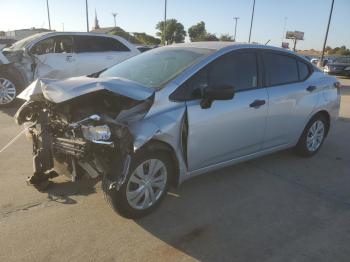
(216, 217)
(11, 111)
(61, 192)
(242, 213)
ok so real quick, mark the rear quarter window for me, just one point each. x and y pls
(304, 71)
(280, 69)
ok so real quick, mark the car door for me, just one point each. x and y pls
(292, 97)
(227, 129)
(55, 57)
(95, 53)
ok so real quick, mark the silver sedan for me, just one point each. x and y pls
(175, 112)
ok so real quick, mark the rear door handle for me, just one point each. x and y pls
(257, 103)
(311, 88)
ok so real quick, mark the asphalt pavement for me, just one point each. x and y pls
(276, 208)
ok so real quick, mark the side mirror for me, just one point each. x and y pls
(219, 92)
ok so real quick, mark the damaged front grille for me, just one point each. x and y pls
(73, 147)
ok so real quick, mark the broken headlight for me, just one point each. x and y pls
(96, 133)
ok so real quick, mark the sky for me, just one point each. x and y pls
(309, 16)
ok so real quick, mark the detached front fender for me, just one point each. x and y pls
(166, 127)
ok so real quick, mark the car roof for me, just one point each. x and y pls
(220, 45)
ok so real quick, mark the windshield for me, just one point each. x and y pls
(157, 67)
(22, 43)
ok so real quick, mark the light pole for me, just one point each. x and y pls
(164, 30)
(114, 16)
(251, 22)
(234, 37)
(325, 39)
(48, 13)
(87, 16)
(284, 28)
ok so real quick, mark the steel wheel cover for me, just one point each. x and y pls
(315, 136)
(146, 184)
(7, 91)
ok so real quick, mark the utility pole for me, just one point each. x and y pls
(114, 16)
(325, 39)
(87, 16)
(48, 13)
(251, 22)
(164, 30)
(284, 28)
(63, 27)
(234, 37)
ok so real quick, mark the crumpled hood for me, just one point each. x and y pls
(58, 91)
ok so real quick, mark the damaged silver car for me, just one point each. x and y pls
(175, 112)
(57, 55)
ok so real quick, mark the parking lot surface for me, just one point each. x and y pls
(276, 208)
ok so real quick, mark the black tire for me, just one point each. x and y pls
(301, 148)
(117, 199)
(16, 80)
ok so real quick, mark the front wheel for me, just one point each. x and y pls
(313, 136)
(145, 186)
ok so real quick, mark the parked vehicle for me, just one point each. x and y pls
(340, 67)
(58, 55)
(175, 112)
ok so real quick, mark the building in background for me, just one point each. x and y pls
(23, 33)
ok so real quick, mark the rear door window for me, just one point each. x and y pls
(304, 71)
(98, 44)
(280, 69)
(235, 69)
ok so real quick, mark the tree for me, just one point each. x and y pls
(226, 38)
(210, 37)
(197, 32)
(175, 31)
(136, 38)
(146, 39)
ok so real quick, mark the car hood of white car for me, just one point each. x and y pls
(58, 91)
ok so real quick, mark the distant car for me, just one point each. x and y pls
(340, 67)
(58, 55)
(314, 61)
(175, 112)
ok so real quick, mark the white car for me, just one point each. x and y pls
(58, 55)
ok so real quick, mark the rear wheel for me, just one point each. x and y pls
(10, 86)
(145, 186)
(313, 136)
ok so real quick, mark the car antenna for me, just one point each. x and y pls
(267, 41)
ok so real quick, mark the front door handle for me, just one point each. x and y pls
(311, 88)
(257, 103)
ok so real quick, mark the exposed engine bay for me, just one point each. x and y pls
(88, 134)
